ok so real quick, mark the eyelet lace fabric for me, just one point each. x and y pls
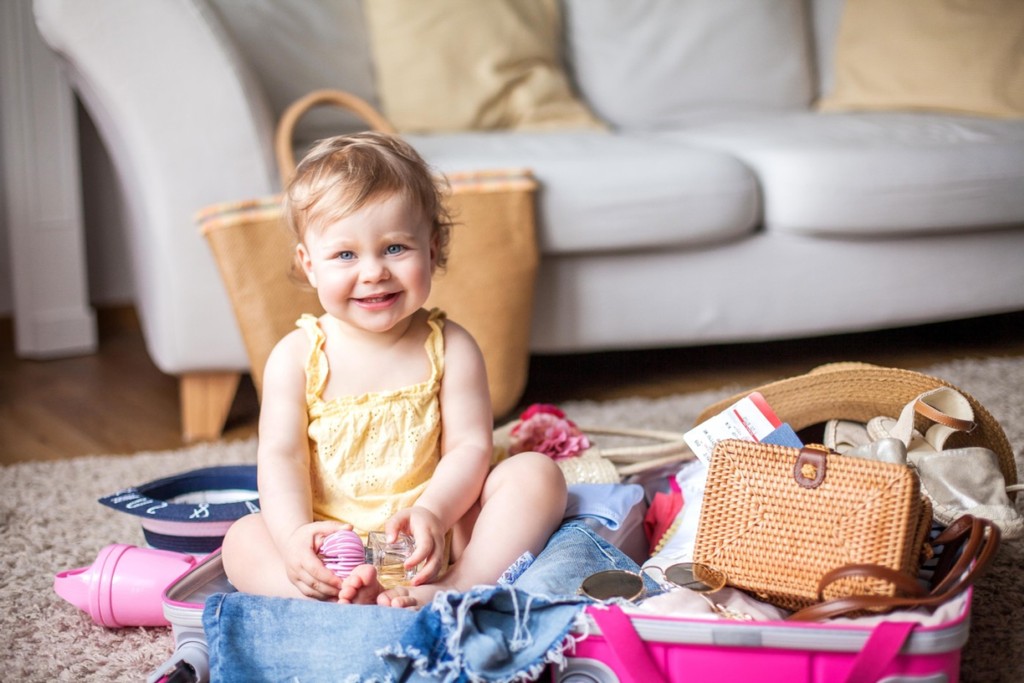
(372, 455)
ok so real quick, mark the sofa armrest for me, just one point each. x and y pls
(187, 126)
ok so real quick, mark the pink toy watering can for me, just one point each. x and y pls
(124, 585)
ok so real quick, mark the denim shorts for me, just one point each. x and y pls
(494, 633)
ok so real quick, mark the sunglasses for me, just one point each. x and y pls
(621, 583)
(699, 578)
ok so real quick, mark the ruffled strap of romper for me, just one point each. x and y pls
(435, 344)
(316, 361)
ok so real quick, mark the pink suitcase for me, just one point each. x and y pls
(649, 649)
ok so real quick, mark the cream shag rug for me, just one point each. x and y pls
(50, 521)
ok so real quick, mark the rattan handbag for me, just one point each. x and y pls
(776, 520)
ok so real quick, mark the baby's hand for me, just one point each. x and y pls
(426, 529)
(304, 567)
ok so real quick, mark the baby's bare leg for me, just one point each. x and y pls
(522, 503)
(252, 562)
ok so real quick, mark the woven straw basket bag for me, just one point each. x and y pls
(487, 286)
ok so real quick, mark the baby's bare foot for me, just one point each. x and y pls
(361, 587)
(409, 596)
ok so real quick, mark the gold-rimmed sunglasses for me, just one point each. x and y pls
(627, 585)
(699, 578)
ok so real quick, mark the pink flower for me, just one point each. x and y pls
(541, 408)
(545, 429)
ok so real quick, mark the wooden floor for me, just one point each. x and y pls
(116, 401)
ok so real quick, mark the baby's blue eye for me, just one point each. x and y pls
(394, 249)
(346, 255)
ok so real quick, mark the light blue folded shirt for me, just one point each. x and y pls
(608, 503)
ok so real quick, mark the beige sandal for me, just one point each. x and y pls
(946, 408)
(957, 481)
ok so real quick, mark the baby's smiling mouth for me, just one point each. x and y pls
(377, 298)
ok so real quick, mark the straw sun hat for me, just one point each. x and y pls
(861, 391)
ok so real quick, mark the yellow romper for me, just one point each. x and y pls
(372, 455)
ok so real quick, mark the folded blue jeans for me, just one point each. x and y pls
(490, 633)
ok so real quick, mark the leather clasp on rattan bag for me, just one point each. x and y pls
(810, 467)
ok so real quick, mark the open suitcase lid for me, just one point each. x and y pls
(183, 603)
(184, 599)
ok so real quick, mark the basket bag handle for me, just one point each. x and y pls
(661, 448)
(669, 447)
(295, 111)
(969, 545)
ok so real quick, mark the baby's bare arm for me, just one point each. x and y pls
(467, 445)
(283, 468)
(521, 501)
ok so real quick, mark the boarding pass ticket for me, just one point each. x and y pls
(749, 419)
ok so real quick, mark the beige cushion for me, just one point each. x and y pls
(447, 65)
(961, 56)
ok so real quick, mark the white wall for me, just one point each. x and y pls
(43, 231)
(108, 278)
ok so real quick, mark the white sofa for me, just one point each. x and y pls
(720, 205)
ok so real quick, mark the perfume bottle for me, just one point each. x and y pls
(389, 558)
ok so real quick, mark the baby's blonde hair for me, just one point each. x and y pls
(339, 175)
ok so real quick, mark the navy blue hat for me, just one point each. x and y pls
(190, 512)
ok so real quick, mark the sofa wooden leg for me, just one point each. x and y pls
(206, 399)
